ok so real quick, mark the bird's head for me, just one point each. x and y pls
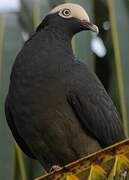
(69, 17)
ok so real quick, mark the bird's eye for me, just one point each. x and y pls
(66, 12)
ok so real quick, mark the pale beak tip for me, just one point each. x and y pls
(90, 26)
(95, 29)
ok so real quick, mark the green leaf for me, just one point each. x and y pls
(121, 53)
(11, 43)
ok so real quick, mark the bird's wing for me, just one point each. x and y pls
(98, 117)
(96, 111)
(15, 133)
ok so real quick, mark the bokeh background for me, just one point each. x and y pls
(107, 54)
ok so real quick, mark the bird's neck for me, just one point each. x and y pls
(59, 42)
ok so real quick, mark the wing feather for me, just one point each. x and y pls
(94, 108)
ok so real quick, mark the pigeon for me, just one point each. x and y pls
(56, 107)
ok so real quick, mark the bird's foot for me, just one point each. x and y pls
(124, 174)
(55, 168)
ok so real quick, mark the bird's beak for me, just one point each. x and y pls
(90, 26)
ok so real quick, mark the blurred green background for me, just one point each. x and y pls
(107, 54)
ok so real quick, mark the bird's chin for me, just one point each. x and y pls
(89, 26)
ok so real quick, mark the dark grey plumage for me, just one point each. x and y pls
(56, 108)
